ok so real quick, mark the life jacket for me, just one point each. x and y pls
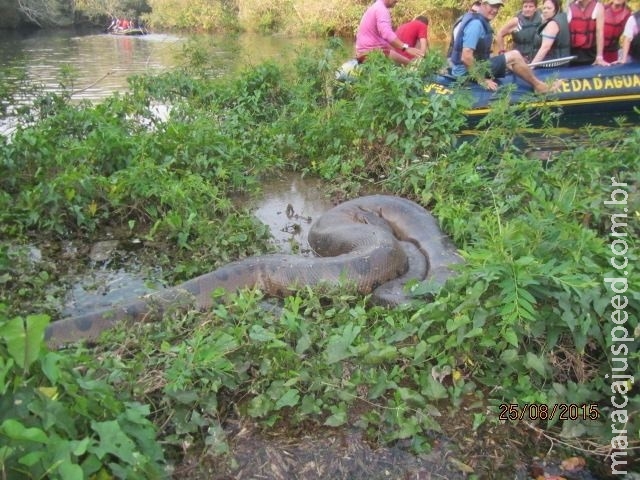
(582, 27)
(525, 33)
(483, 49)
(561, 46)
(614, 22)
(451, 40)
(634, 48)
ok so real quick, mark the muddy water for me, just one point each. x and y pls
(288, 205)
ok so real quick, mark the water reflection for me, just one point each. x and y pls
(288, 205)
(101, 63)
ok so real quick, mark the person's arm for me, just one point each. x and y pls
(400, 46)
(385, 30)
(627, 36)
(506, 29)
(600, 36)
(423, 46)
(470, 38)
(548, 35)
(469, 61)
(624, 54)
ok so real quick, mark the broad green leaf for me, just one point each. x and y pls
(535, 363)
(509, 356)
(5, 367)
(420, 352)
(259, 406)
(474, 332)
(49, 392)
(70, 471)
(290, 399)
(510, 336)
(435, 339)
(525, 295)
(304, 342)
(338, 347)
(411, 397)
(50, 368)
(457, 322)
(337, 419)
(434, 389)
(5, 452)
(79, 447)
(260, 334)
(113, 441)
(17, 431)
(32, 458)
(384, 354)
(24, 338)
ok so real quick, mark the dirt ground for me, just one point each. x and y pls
(503, 451)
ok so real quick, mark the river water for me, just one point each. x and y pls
(100, 65)
(101, 62)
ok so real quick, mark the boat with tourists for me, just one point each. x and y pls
(120, 26)
(129, 31)
(584, 89)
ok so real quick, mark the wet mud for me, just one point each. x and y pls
(288, 205)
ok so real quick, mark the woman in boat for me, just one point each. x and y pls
(586, 25)
(631, 40)
(616, 14)
(552, 37)
(522, 29)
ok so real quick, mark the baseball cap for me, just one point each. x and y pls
(494, 2)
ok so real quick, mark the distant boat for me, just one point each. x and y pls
(129, 31)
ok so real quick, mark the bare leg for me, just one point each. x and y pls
(517, 64)
(400, 59)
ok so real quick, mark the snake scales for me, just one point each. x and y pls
(376, 242)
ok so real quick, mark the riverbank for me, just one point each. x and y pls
(525, 321)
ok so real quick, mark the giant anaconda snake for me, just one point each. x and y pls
(377, 243)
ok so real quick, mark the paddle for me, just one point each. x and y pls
(555, 62)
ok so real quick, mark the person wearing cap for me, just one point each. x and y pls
(376, 33)
(472, 44)
(415, 33)
(475, 6)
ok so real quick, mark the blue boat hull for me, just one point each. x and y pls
(584, 90)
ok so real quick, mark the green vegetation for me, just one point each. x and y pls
(321, 19)
(526, 321)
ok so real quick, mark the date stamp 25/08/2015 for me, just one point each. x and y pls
(541, 411)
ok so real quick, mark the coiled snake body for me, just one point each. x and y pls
(377, 243)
